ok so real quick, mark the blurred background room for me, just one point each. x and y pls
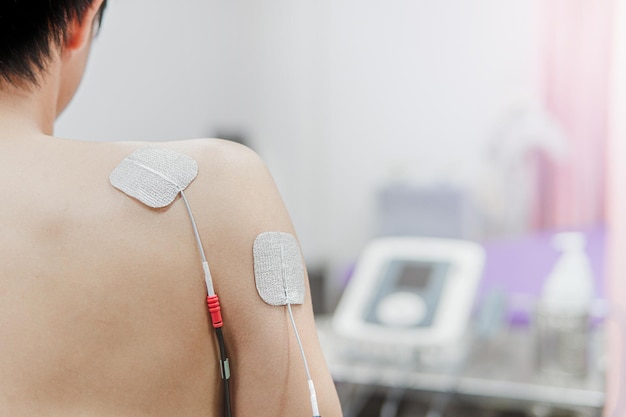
(433, 124)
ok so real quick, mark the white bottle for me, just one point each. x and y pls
(562, 319)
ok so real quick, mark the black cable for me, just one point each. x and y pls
(225, 371)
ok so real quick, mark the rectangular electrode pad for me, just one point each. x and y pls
(154, 175)
(278, 269)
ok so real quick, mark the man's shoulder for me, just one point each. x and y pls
(218, 152)
(214, 150)
(217, 159)
(224, 165)
(233, 185)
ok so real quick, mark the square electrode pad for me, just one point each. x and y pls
(278, 269)
(154, 175)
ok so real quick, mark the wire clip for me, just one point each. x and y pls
(225, 369)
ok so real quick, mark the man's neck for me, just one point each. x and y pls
(27, 112)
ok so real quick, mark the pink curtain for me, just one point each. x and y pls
(576, 41)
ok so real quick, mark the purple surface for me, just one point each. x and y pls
(519, 266)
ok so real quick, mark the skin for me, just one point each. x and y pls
(102, 309)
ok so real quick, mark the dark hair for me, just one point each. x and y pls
(28, 30)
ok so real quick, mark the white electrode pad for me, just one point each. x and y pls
(278, 269)
(154, 175)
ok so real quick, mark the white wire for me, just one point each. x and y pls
(314, 405)
(205, 265)
(193, 224)
(295, 330)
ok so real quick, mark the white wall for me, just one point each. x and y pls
(151, 74)
(419, 85)
(332, 93)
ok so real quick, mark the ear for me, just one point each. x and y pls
(80, 31)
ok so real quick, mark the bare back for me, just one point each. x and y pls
(102, 300)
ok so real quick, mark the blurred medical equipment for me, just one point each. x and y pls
(486, 373)
(562, 319)
(411, 291)
(488, 323)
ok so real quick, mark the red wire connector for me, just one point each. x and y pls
(214, 308)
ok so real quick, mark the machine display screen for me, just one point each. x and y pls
(414, 275)
(408, 293)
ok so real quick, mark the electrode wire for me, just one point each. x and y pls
(293, 322)
(295, 330)
(314, 404)
(182, 194)
(205, 265)
(225, 369)
(194, 226)
(224, 363)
